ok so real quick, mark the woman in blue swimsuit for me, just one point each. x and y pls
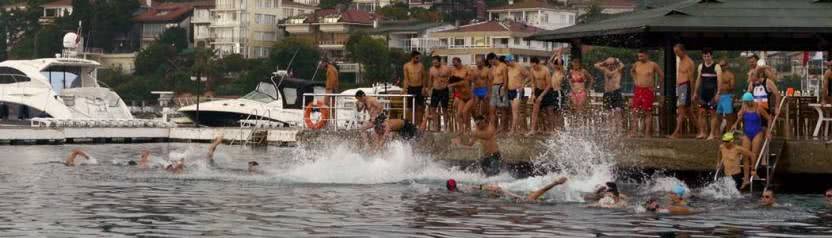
(752, 117)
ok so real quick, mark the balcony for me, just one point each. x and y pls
(299, 28)
(226, 23)
(331, 44)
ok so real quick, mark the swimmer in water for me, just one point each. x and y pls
(70, 160)
(144, 162)
(767, 199)
(252, 167)
(177, 167)
(495, 190)
(828, 196)
(611, 198)
(678, 206)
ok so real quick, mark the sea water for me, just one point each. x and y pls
(335, 190)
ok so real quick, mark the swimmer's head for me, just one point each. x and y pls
(612, 188)
(252, 166)
(767, 199)
(480, 120)
(451, 185)
(360, 94)
(678, 190)
(747, 97)
(828, 195)
(651, 205)
(132, 163)
(728, 137)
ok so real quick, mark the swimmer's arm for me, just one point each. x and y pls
(70, 160)
(598, 66)
(745, 152)
(677, 210)
(739, 119)
(536, 194)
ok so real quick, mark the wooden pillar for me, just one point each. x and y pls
(669, 104)
(575, 50)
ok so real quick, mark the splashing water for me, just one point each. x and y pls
(584, 162)
(723, 189)
(662, 184)
(397, 162)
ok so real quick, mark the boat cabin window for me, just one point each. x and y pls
(290, 95)
(265, 93)
(11, 75)
(63, 77)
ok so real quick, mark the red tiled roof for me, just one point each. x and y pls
(526, 4)
(165, 12)
(347, 16)
(494, 26)
(59, 3)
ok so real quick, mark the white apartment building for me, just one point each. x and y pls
(250, 27)
(201, 23)
(478, 39)
(372, 5)
(538, 13)
(54, 10)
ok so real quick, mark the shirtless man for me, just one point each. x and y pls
(499, 95)
(486, 134)
(384, 131)
(460, 83)
(613, 100)
(644, 74)
(517, 78)
(556, 81)
(496, 191)
(70, 160)
(729, 156)
(373, 107)
(684, 78)
(414, 75)
(705, 93)
(480, 79)
(543, 96)
(439, 94)
(725, 106)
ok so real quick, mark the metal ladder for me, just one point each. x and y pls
(771, 156)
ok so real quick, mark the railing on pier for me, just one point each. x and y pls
(341, 105)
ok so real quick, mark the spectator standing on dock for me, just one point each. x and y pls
(753, 117)
(684, 79)
(331, 79)
(543, 97)
(613, 100)
(517, 78)
(480, 81)
(705, 93)
(725, 106)
(413, 83)
(644, 73)
(439, 94)
(764, 90)
(558, 75)
(581, 82)
(499, 102)
(460, 83)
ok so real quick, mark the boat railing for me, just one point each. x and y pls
(339, 105)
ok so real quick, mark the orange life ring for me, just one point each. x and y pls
(307, 115)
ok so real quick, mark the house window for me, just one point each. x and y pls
(571, 19)
(479, 41)
(516, 41)
(264, 19)
(331, 19)
(459, 42)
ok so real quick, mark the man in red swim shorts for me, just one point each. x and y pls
(644, 73)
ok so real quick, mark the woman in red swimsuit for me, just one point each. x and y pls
(579, 79)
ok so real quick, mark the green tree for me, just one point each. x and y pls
(324, 4)
(155, 59)
(175, 36)
(304, 63)
(593, 13)
(372, 54)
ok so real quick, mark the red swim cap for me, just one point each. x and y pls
(451, 185)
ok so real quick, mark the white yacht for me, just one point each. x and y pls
(281, 104)
(59, 88)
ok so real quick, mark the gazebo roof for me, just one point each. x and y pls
(719, 24)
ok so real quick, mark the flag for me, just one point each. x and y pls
(805, 57)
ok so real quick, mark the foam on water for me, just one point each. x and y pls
(723, 189)
(661, 184)
(341, 164)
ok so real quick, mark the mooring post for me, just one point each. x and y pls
(669, 106)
